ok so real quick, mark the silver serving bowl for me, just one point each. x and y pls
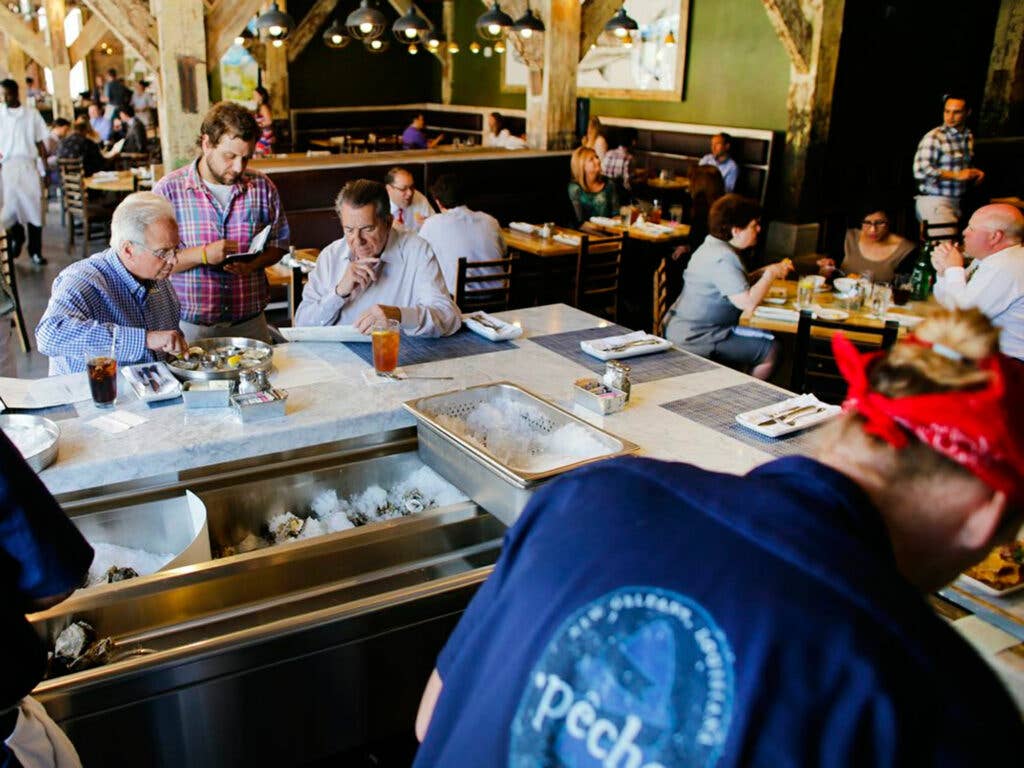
(45, 456)
(223, 372)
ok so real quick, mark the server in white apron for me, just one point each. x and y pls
(22, 132)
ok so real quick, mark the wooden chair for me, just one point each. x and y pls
(598, 265)
(945, 230)
(128, 160)
(471, 295)
(660, 299)
(814, 367)
(9, 277)
(82, 215)
(299, 280)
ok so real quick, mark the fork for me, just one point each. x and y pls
(634, 343)
(486, 323)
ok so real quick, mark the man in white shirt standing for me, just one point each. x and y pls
(22, 133)
(458, 231)
(994, 283)
(409, 207)
(376, 272)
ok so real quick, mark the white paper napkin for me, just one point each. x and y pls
(777, 313)
(566, 239)
(118, 421)
(522, 226)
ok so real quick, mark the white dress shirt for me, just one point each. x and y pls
(461, 232)
(409, 278)
(504, 140)
(996, 287)
(412, 218)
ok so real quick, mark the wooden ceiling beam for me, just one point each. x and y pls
(32, 42)
(794, 30)
(92, 32)
(594, 15)
(224, 24)
(308, 27)
(133, 24)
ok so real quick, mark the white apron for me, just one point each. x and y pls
(23, 193)
(38, 742)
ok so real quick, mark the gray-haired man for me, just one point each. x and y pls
(123, 289)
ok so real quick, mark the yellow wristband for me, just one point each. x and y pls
(204, 255)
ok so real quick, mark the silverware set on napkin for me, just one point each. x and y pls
(790, 416)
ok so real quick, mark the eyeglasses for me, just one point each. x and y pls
(401, 189)
(875, 224)
(164, 254)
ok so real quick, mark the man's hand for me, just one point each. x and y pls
(779, 269)
(375, 314)
(826, 266)
(359, 275)
(171, 342)
(946, 255)
(243, 267)
(219, 250)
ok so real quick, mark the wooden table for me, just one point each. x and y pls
(124, 183)
(669, 185)
(679, 231)
(535, 245)
(828, 299)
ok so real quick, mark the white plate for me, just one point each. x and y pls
(599, 347)
(832, 315)
(325, 333)
(752, 419)
(822, 289)
(780, 300)
(507, 332)
(169, 386)
(985, 588)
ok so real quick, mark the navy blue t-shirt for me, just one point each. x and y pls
(42, 554)
(650, 614)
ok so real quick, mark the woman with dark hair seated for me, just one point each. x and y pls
(873, 248)
(81, 143)
(716, 290)
(590, 193)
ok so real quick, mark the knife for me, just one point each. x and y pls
(149, 377)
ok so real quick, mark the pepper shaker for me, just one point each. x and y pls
(616, 376)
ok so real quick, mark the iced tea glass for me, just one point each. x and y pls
(101, 369)
(385, 336)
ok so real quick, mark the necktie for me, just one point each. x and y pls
(401, 216)
(971, 270)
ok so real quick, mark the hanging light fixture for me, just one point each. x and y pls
(527, 25)
(493, 24)
(275, 23)
(453, 47)
(435, 39)
(670, 39)
(366, 22)
(410, 27)
(474, 47)
(245, 37)
(499, 46)
(376, 45)
(621, 25)
(335, 36)
(413, 49)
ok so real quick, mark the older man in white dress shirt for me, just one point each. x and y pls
(409, 207)
(994, 282)
(377, 272)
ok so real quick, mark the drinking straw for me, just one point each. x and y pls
(113, 342)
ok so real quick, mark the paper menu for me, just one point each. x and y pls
(44, 393)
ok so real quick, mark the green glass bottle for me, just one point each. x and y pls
(923, 277)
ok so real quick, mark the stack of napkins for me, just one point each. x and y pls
(325, 333)
(777, 313)
(655, 229)
(604, 221)
(566, 239)
(491, 327)
(522, 226)
(625, 345)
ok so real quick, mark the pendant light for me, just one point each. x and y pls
(411, 27)
(474, 47)
(436, 40)
(493, 24)
(527, 25)
(336, 36)
(377, 45)
(366, 22)
(670, 39)
(275, 23)
(621, 25)
(245, 37)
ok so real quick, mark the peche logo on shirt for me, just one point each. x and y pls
(639, 678)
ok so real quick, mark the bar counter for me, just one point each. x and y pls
(298, 161)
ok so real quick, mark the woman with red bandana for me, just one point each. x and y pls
(648, 613)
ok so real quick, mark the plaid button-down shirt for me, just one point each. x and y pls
(943, 149)
(210, 295)
(617, 164)
(91, 297)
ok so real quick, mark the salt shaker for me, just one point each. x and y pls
(616, 376)
(545, 231)
(250, 382)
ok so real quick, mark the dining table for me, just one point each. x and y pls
(664, 232)
(122, 182)
(536, 245)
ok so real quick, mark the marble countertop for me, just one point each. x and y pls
(339, 404)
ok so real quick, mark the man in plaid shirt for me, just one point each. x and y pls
(942, 165)
(617, 163)
(220, 209)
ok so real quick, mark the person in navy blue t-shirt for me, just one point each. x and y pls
(43, 558)
(649, 614)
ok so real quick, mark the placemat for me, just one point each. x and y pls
(414, 350)
(662, 365)
(718, 410)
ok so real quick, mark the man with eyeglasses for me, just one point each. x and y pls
(376, 272)
(409, 207)
(124, 288)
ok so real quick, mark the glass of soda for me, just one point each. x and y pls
(902, 286)
(101, 369)
(385, 336)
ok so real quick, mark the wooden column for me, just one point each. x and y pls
(810, 32)
(15, 60)
(24, 40)
(551, 96)
(184, 96)
(276, 75)
(447, 61)
(60, 61)
(1003, 106)
(92, 32)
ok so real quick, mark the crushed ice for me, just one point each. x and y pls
(114, 556)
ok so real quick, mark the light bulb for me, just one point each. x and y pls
(239, 40)
(336, 39)
(494, 29)
(474, 47)
(410, 33)
(526, 34)
(670, 40)
(278, 43)
(376, 44)
(434, 43)
(366, 27)
(453, 47)
(499, 47)
(413, 49)
(621, 31)
(275, 31)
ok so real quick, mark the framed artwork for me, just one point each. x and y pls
(648, 65)
(239, 75)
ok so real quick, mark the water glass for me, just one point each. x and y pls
(385, 337)
(805, 292)
(881, 299)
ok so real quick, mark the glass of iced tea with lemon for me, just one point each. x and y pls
(385, 336)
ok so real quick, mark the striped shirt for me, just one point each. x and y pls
(210, 295)
(92, 297)
(943, 149)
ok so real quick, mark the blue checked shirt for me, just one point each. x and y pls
(943, 149)
(92, 297)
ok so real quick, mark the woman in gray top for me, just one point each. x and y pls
(716, 291)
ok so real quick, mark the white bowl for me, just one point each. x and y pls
(844, 284)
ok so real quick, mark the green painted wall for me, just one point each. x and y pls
(737, 71)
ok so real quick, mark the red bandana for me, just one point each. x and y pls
(974, 427)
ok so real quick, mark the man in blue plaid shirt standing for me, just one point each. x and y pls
(942, 165)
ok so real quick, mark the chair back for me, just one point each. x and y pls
(487, 291)
(814, 366)
(660, 300)
(72, 184)
(941, 230)
(598, 265)
(127, 160)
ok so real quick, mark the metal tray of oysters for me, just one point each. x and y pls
(223, 357)
(34, 436)
(499, 442)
